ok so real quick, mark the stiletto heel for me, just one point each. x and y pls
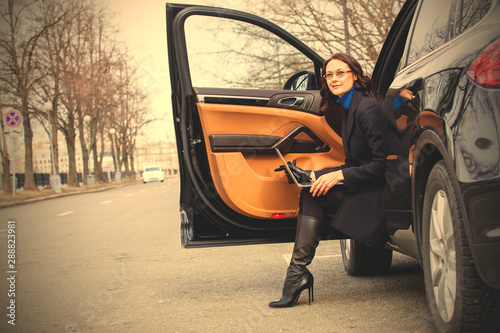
(293, 288)
(311, 294)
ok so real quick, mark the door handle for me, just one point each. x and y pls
(284, 143)
(291, 101)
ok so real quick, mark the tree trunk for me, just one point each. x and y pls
(55, 143)
(132, 162)
(6, 172)
(5, 164)
(85, 152)
(98, 174)
(113, 152)
(5, 158)
(346, 27)
(72, 174)
(53, 126)
(125, 164)
(70, 136)
(29, 180)
(101, 155)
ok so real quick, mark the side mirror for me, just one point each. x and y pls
(303, 80)
(416, 85)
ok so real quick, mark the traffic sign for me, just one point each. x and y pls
(13, 118)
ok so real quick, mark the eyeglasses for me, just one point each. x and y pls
(339, 75)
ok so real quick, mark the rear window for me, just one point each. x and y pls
(439, 21)
(432, 28)
(472, 12)
(153, 169)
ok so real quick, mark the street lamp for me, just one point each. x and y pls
(90, 176)
(118, 179)
(54, 179)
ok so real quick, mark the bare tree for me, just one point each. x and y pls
(4, 153)
(63, 60)
(103, 56)
(79, 54)
(328, 26)
(134, 119)
(66, 54)
(19, 64)
(54, 44)
(130, 116)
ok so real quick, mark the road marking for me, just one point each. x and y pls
(66, 213)
(106, 202)
(129, 195)
(288, 257)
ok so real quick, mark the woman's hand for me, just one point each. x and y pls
(324, 183)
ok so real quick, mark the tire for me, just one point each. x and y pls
(458, 299)
(361, 260)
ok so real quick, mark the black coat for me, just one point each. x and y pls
(361, 214)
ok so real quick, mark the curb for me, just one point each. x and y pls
(59, 195)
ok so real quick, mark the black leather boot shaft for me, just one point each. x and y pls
(306, 240)
(298, 276)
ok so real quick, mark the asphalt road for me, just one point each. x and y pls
(112, 262)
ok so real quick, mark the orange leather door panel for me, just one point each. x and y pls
(247, 182)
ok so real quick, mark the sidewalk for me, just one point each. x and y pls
(24, 197)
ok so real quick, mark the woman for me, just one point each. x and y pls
(357, 203)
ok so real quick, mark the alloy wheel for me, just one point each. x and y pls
(443, 256)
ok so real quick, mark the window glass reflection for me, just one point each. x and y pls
(431, 30)
(472, 12)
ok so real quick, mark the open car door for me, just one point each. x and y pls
(241, 87)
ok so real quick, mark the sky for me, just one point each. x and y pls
(142, 26)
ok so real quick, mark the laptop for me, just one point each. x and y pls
(295, 181)
(307, 184)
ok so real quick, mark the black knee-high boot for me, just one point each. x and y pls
(298, 276)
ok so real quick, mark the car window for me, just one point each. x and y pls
(391, 61)
(471, 12)
(226, 53)
(431, 30)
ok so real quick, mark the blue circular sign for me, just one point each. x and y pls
(13, 118)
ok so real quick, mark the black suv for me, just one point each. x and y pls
(243, 86)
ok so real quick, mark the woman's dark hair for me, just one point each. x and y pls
(363, 83)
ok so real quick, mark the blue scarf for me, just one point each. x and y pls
(398, 102)
(346, 99)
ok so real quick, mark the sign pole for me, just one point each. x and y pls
(55, 179)
(14, 183)
(13, 119)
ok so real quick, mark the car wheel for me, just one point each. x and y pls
(361, 259)
(458, 299)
